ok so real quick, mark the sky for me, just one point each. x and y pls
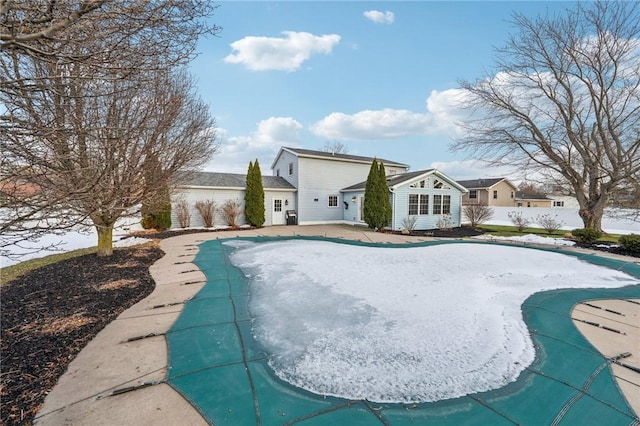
(379, 77)
(386, 334)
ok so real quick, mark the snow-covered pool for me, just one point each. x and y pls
(401, 324)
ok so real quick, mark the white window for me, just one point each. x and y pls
(418, 204)
(278, 172)
(473, 193)
(290, 169)
(558, 204)
(495, 195)
(441, 204)
(277, 205)
(333, 201)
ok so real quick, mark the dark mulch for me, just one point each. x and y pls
(48, 315)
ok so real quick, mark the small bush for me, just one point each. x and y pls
(477, 213)
(207, 209)
(409, 223)
(519, 221)
(548, 223)
(630, 242)
(231, 211)
(587, 236)
(183, 214)
(444, 222)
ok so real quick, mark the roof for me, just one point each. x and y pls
(482, 183)
(308, 153)
(398, 179)
(233, 180)
(530, 196)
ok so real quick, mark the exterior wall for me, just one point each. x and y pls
(568, 202)
(533, 203)
(220, 196)
(429, 221)
(282, 164)
(320, 178)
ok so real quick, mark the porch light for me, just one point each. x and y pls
(353, 199)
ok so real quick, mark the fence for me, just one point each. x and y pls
(612, 222)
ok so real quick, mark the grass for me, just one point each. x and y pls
(12, 272)
(512, 231)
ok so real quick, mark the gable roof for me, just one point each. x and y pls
(394, 181)
(232, 180)
(530, 196)
(483, 183)
(322, 155)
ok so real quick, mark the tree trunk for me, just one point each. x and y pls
(105, 240)
(592, 217)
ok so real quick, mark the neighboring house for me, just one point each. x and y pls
(430, 196)
(279, 196)
(524, 199)
(497, 192)
(319, 187)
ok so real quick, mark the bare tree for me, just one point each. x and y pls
(565, 101)
(231, 211)
(183, 214)
(335, 147)
(477, 213)
(89, 96)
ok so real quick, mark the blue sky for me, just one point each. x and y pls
(379, 77)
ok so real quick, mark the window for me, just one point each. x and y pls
(495, 195)
(277, 205)
(424, 204)
(438, 184)
(441, 204)
(558, 204)
(333, 201)
(512, 194)
(418, 204)
(421, 184)
(413, 204)
(473, 193)
(278, 172)
(290, 169)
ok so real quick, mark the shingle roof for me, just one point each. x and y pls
(346, 157)
(479, 183)
(233, 180)
(529, 196)
(392, 180)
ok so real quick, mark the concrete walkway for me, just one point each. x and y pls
(131, 352)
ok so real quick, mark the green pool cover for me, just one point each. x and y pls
(216, 364)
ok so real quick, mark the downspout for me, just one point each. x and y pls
(393, 209)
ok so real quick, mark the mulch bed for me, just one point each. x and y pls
(48, 315)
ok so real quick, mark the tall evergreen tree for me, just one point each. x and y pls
(254, 196)
(376, 191)
(384, 194)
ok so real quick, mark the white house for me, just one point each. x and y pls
(323, 187)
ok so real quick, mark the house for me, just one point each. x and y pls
(323, 187)
(527, 199)
(496, 192)
(429, 196)
(279, 195)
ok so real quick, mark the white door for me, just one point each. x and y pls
(360, 208)
(277, 214)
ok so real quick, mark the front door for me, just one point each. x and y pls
(277, 214)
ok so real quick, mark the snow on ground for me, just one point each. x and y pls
(401, 324)
(69, 241)
(529, 238)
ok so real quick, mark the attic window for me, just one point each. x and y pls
(438, 184)
(278, 172)
(473, 193)
(421, 184)
(290, 169)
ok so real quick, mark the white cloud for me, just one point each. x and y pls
(236, 151)
(281, 54)
(380, 124)
(379, 17)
